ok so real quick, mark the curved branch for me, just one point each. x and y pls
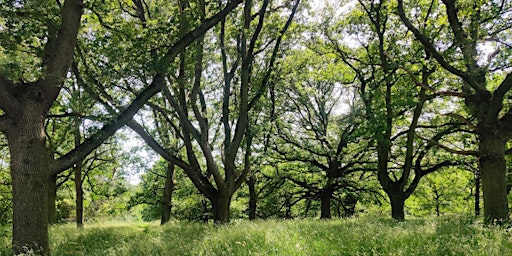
(429, 46)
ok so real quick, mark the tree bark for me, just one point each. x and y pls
(79, 199)
(253, 197)
(220, 208)
(397, 207)
(29, 171)
(477, 191)
(494, 180)
(325, 201)
(168, 190)
(52, 198)
(77, 170)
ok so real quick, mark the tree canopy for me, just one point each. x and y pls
(252, 109)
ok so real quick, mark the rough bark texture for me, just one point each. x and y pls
(488, 107)
(220, 208)
(167, 197)
(25, 108)
(477, 192)
(29, 168)
(494, 181)
(52, 198)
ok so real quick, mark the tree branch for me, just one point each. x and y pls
(8, 103)
(273, 58)
(499, 94)
(158, 81)
(451, 150)
(136, 127)
(432, 50)
(59, 49)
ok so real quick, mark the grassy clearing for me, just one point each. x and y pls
(356, 236)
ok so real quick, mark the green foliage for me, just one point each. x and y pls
(5, 186)
(188, 203)
(449, 191)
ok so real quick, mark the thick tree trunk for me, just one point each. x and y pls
(30, 163)
(253, 197)
(52, 198)
(79, 199)
(168, 190)
(325, 202)
(397, 207)
(494, 180)
(220, 208)
(477, 192)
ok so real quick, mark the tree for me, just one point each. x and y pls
(216, 155)
(317, 127)
(25, 105)
(484, 85)
(395, 87)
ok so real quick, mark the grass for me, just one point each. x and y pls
(355, 236)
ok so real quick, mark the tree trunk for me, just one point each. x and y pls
(220, 208)
(349, 205)
(79, 199)
(253, 197)
(477, 192)
(397, 207)
(325, 201)
(494, 180)
(52, 198)
(168, 190)
(308, 207)
(30, 163)
(77, 170)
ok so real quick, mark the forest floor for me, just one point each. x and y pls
(353, 236)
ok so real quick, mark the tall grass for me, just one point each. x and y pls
(355, 236)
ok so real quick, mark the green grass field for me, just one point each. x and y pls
(355, 236)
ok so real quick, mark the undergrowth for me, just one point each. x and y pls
(354, 236)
